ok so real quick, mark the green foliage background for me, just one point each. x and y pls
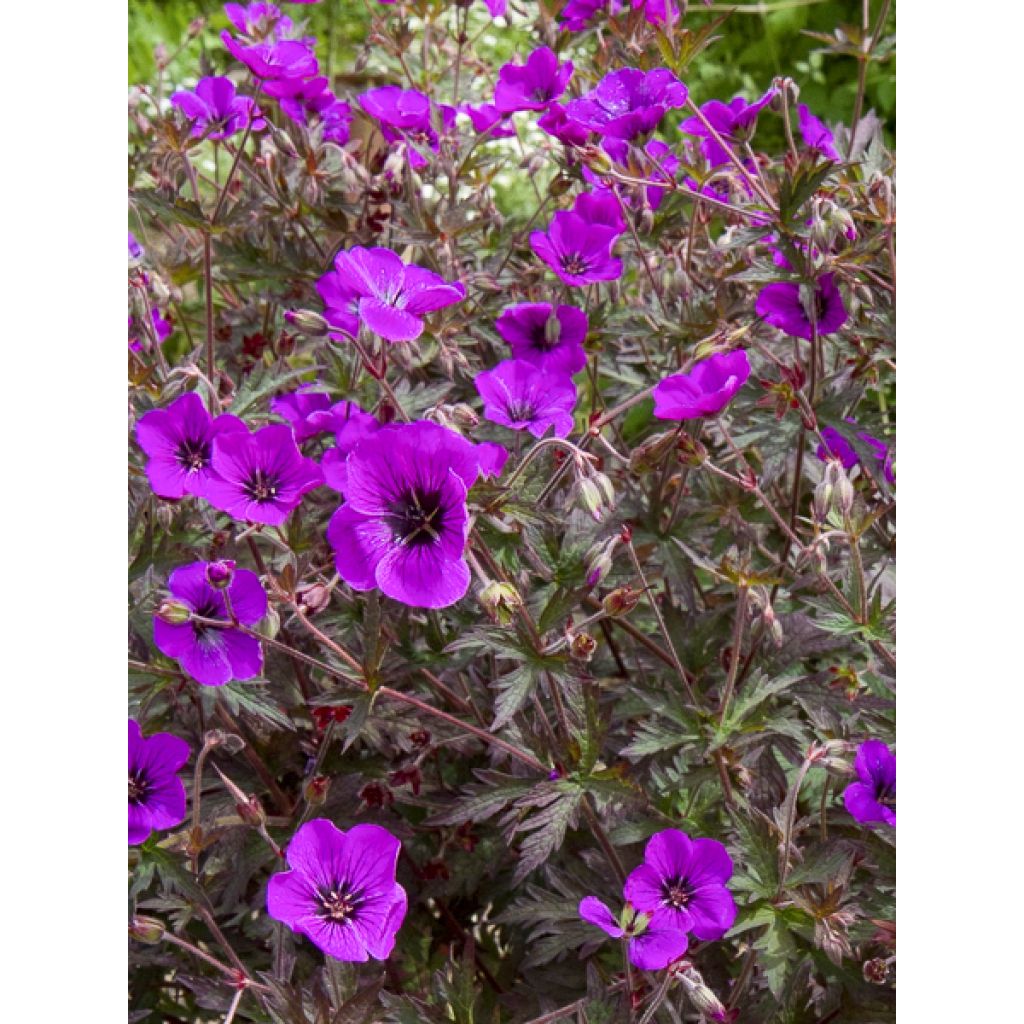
(753, 48)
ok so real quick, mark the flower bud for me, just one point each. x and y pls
(596, 159)
(582, 647)
(220, 574)
(588, 495)
(307, 322)
(269, 625)
(173, 612)
(822, 501)
(313, 598)
(691, 451)
(464, 417)
(501, 601)
(646, 225)
(251, 811)
(146, 929)
(604, 486)
(160, 290)
(621, 601)
(315, 790)
(552, 328)
(784, 87)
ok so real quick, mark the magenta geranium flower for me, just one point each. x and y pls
(734, 121)
(161, 328)
(404, 523)
(216, 110)
(179, 443)
(873, 797)
(392, 296)
(788, 306)
(580, 253)
(837, 447)
(816, 134)
(658, 12)
(681, 884)
(156, 796)
(407, 115)
(261, 477)
(341, 891)
(259, 21)
(649, 947)
(350, 425)
(705, 391)
(628, 103)
(576, 15)
(134, 249)
(285, 61)
(533, 85)
(551, 339)
(522, 396)
(299, 408)
(556, 123)
(213, 655)
(488, 118)
(600, 207)
(315, 101)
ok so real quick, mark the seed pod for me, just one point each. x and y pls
(621, 601)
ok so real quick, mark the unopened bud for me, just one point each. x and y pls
(822, 501)
(313, 598)
(588, 495)
(251, 811)
(146, 929)
(308, 322)
(621, 601)
(464, 417)
(582, 647)
(160, 290)
(844, 496)
(552, 329)
(220, 574)
(269, 625)
(702, 998)
(501, 601)
(604, 486)
(315, 790)
(195, 26)
(173, 612)
(598, 569)
(784, 88)
(646, 224)
(691, 451)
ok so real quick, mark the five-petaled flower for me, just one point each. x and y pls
(533, 85)
(341, 891)
(391, 297)
(300, 407)
(179, 443)
(213, 655)
(705, 391)
(287, 62)
(522, 396)
(873, 797)
(791, 307)
(156, 796)
(579, 252)
(628, 103)
(681, 884)
(835, 446)
(407, 115)
(261, 477)
(216, 110)
(404, 523)
(816, 134)
(549, 338)
(650, 947)
(733, 122)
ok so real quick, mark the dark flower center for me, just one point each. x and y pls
(138, 786)
(819, 306)
(207, 610)
(417, 517)
(193, 454)
(885, 794)
(541, 93)
(574, 263)
(676, 893)
(338, 904)
(520, 411)
(261, 486)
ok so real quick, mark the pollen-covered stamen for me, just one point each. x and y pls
(261, 487)
(338, 904)
(138, 785)
(675, 893)
(193, 454)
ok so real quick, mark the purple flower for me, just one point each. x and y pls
(404, 523)
(392, 296)
(557, 124)
(406, 115)
(816, 134)
(350, 425)
(134, 249)
(873, 797)
(628, 103)
(533, 85)
(705, 391)
(655, 161)
(259, 21)
(341, 891)
(299, 407)
(261, 477)
(161, 328)
(549, 338)
(734, 121)
(658, 12)
(314, 99)
(491, 459)
(487, 118)
(837, 447)
(651, 948)
(216, 110)
(578, 252)
(682, 885)
(213, 655)
(179, 443)
(156, 796)
(522, 396)
(287, 62)
(787, 305)
(576, 15)
(600, 207)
